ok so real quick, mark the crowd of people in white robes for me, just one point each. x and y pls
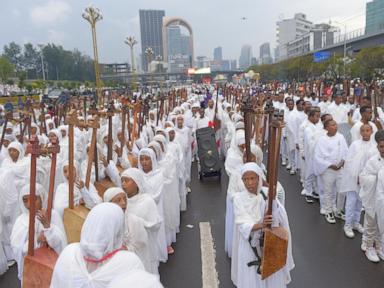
(333, 142)
(330, 142)
(124, 241)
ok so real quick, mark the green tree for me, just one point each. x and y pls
(6, 69)
(14, 54)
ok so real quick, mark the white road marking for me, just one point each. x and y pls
(210, 277)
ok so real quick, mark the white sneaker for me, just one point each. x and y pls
(380, 253)
(284, 163)
(363, 246)
(292, 172)
(372, 255)
(358, 227)
(349, 232)
(304, 192)
(10, 263)
(188, 190)
(322, 211)
(330, 218)
(288, 167)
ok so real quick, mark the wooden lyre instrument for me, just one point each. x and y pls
(39, 263)
(275, 238)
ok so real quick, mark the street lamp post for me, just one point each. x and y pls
(92, 15)
(131, 42)
(149, 52)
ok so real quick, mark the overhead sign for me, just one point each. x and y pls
(321, 56)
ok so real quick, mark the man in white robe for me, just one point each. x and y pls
(329, 156)
(366, 116)
(371, 194)
(311, 134)
(358, 154)
(250, 219)
(338, 110)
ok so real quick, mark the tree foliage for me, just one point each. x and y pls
(6, 69)
(59, 64)
(366, 64)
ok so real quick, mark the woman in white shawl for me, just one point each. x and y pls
(154, 182)
(175, 146)
(143, 206)
(235, 154)
(171, 191)
(100, 257)
(51, 234)
(135, 234)
(81, 194)
(250, 219)
(14, 173)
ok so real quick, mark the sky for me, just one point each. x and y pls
(214, 22)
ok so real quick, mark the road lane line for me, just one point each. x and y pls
(210, 277)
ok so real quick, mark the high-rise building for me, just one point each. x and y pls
(218, 54)
(320, 36)
(245, 57)
(151, 22)
(179, 52)
(374, 20)
(289, 30)
(265, 54)
(233, 65)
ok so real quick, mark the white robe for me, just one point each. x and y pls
(71, 270)
(329, 151)
(55, 235)
(144, 207)
(358, 154)
(355, 131)
(249, 209)
(368, 186)
(61, 199)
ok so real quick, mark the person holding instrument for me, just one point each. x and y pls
(250, 208)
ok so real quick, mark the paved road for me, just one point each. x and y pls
(324, 257)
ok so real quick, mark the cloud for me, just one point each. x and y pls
(52, 12)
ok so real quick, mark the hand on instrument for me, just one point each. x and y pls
(334, 167)
(43, 217)
(118, 151)
(341, 164)
(80, 184)
(42, 240)
(268, 219)
(104, 160)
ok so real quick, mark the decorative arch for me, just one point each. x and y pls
(168, 21)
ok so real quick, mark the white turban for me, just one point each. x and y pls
(137, 176)
(253, 167)
(240, 137)
(110, 193)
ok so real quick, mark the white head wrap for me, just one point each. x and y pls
(240, 137)
(40, 191)
(110, 193)
(17, 146)
(150, 153)
(253, 167)
(137, 176)
(102, 231)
